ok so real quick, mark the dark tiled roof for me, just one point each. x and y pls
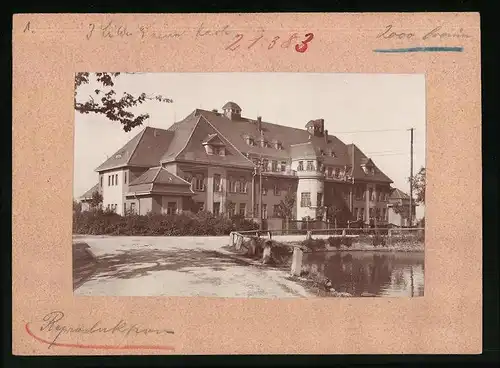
(88, 193)
(398, 194)
(159, 175)
(145, 149)
(158, 180)
(194, 151)
(361, 159)
(182, 131)
(236, 130)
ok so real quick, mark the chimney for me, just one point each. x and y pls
(259, 123)
(322, 124)
(155, 132)
(215, 110)
(326, 136)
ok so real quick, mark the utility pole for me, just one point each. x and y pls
(260, 184)
(411, 177)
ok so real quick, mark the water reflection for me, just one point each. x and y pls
(370, 273)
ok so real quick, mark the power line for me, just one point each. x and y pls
(371, 131)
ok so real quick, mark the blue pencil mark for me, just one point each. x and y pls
(423, 49)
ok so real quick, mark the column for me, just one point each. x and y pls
(210, 191)
(367, 204)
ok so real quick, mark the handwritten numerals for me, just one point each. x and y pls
(304, 44)
(27, 28)
(286, 44)
(273, 42)
(235, 45)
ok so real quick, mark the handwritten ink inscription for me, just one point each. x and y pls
(117, 31)
(436, 33)
(52, 324)
(271, 43)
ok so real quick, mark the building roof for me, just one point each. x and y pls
(159, 175)
(158, 180)
(143, 150)
(183, 142)
(88, 193)
(398, 194)
(360, 159)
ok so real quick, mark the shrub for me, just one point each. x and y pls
(314, 244)
(334, 241)
(346, 241)
(377, 240)
(98, 222)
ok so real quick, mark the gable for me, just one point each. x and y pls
(195, 151)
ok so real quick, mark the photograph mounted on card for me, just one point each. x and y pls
(203, 173)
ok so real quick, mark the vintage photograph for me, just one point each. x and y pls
(249, 185)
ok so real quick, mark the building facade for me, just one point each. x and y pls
(398, 208)
(216, 161)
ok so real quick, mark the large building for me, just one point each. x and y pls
(210, 160)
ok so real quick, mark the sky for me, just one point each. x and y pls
(374, 111)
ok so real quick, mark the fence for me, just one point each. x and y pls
(392, 235)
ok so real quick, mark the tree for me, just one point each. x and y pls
(77, 206)
(108, 104)
(286, 206)
(419, 186)
(95, 200)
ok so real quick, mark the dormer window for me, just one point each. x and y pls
(214, 145)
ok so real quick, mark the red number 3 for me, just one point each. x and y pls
(304, 46)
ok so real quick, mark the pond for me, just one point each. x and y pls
(364, 273)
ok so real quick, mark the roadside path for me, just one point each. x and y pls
(172, 266)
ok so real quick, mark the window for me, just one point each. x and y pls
(216, 208)
(276, 190)
(370, 212)
(256, 209)
(199, 183)
(337, 172)
(301, 166)
(276, 210)
(109, 180)
(319, 199)
(279, 146)
(274, 166)
(100, 181)
(265, 164)
(305, 199)
(107, 207)
(362, 210)
(310, 166)
(264, 211)
(217, 183)
(116, 179)
(231, 209)
(283, 166)
(370, 194)
(237, 186)
(355, 213)
(264, 190)
(243, 207)
(125, 208)
(243, 185)
(171, 208)
(384, 214)
(124, 177)
(330, 171)
(132, 207)
(250, 141)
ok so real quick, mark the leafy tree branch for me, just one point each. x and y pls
(106, 102)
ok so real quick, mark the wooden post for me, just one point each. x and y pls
(266, 255)
(296, 261)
